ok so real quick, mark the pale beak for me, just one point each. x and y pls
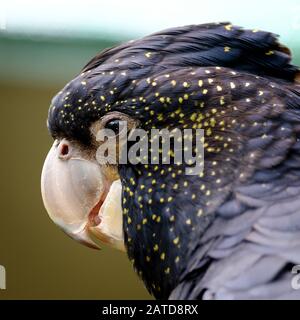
(79, 199)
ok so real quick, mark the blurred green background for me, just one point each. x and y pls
(42, 46)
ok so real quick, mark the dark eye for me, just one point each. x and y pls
(114, 125)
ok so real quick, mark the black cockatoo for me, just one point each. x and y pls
(233, 230)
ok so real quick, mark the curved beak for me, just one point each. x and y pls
(79, 199)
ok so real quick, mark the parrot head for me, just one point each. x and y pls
(193, 77)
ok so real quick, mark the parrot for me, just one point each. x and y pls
(228, 232)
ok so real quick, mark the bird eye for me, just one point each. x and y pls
(113, 125)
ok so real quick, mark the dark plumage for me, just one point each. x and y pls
(233, 231)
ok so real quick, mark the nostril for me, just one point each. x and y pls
(64, 150)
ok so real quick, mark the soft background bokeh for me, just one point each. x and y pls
(43, 44)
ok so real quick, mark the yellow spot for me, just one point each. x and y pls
(227, 49)
(188, 221)
(219, 88)
(232, 85)
(162, 256)
(173, 83)
(155, 248)
(200, 212)
(83, 83)
(175, 186)
(269, 53)
(185, 84)
(204, 91)
(144, 221)
(172, 218)
(193, 116)
(148, 258)
(148, 54)
(200, 83)
(158, 219)
(167, 271)
(186, 96)
(129, 220)
(212, 122)
(228, 27)
(180, 99)
(162, 99)
(176, 240)
(154, 83)
(177, 259)
(102, 98)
